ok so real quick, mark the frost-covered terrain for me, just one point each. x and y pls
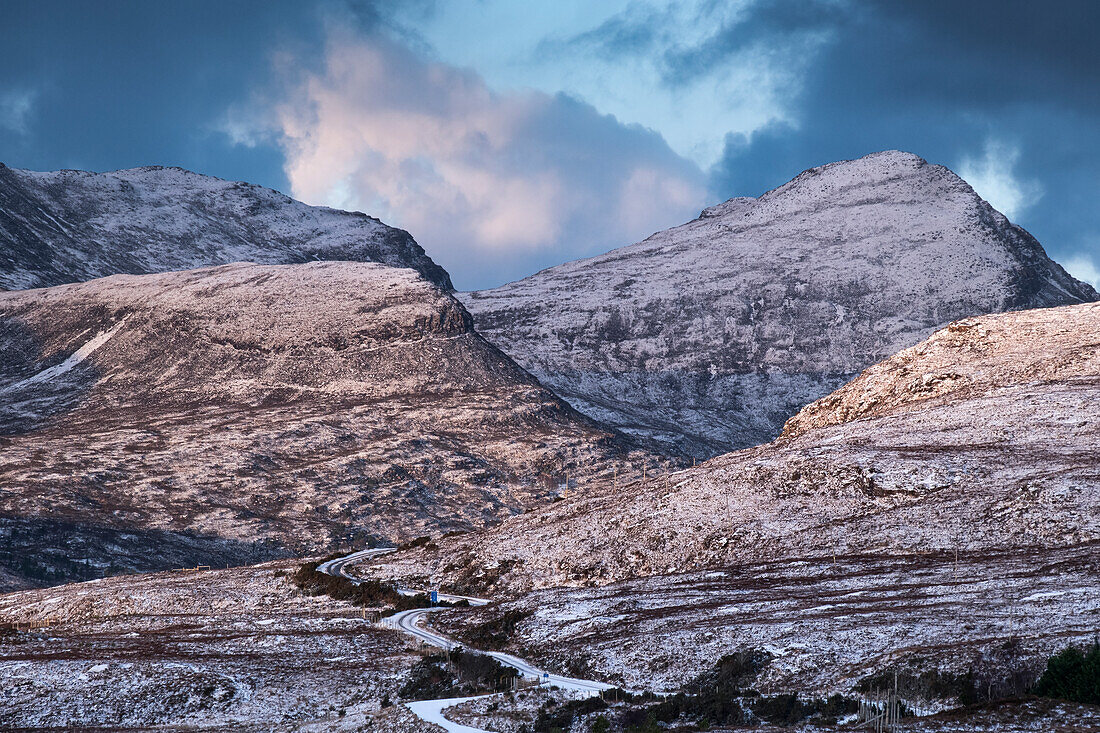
(708, 336)
(981, 439)
(827, 624)
(234, 649)
(940, 515)
(1016, 716)
(67, 226)
(243, 412)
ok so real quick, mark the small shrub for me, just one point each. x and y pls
(837, 707)
(365, 593)
(1072, 675)
(456, 674)
(429, 679)
(649, 726)
(782, 709)
(553, 716)
(425, 542)
(732, 672)
(496, 632)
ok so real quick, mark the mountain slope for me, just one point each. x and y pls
(708, 336)
(981, 439)
(247, 411)
(69, 226)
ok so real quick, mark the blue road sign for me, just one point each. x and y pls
(434, 596)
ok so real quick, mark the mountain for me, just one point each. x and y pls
(70, 226)
(246, 411)
(980, 440)
(933, 522)
(708, 336)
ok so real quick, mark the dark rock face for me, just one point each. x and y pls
(248, 411)
(70, 226)
(708, 336)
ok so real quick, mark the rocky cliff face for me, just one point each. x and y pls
(69, 226)
(708, 336)
(246, 411)
(980, 440)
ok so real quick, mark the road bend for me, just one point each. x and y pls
(411, 622)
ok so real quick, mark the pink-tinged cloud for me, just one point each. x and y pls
(494, 185)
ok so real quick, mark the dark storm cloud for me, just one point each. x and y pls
(135, 83)
(1047, 47)
(646, 30)
(943, 79)
(769, 25)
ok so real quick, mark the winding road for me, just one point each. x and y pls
(410, 622)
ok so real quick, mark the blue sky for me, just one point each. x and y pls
(510, 136)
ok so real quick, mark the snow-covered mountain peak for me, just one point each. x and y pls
(707, 336)
(884, 180)
(68, 226)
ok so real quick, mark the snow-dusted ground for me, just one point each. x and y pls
(241, 649)
(707, 336)
(981, 439)
(431, 711)
(414, 621)
(300, 406)
(237, 648)
(942, 505)
(828, 625)
(66, 366)
(66, 226)
(1028, 716)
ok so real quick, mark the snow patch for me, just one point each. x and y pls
(74, 359)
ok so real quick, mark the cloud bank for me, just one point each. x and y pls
(692, 69)
(486, 181)
(699, 70)
(1083, 267)
(993, 177)
(16, 107)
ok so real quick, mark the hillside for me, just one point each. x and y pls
(242, 648)
(980, 439)
(706, 337)
(938, 518)
(197, 650)
(69, 226)
(246, 411)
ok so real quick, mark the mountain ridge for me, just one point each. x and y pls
(253, 411)
(978, 440)
(706, 337)
(71, 225)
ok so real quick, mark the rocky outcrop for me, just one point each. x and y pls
(246, 411)
(708, 336)
(69, 226)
